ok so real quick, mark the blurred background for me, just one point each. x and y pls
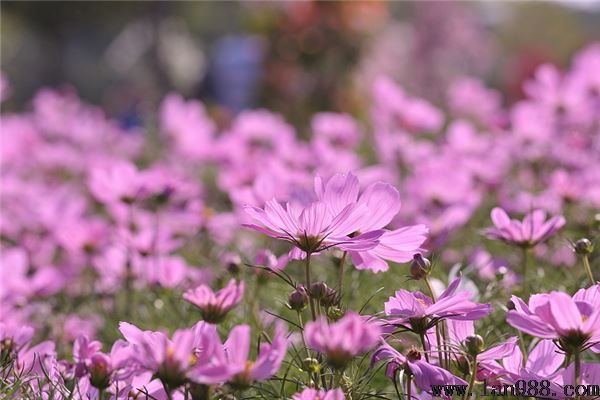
(292, 57)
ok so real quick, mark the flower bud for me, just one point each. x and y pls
(232, 263)
(510, 305)
(420, 267)
(474, 344)
(583, 247)
(335, 313)
(311, 365)
(298, 299)
(318, 290)
(330, 299)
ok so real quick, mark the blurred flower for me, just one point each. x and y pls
(533, 230)
(268, 361)
(215, 306)
(343, 340)
(314, 394)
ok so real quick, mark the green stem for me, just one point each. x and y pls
(522, 346)
(440, 345)
(302, 328)
(423, 344)
(409, 388)
(588, 269)
(472, 380)
(430, 289)
(525, 270)
(341, 273)
(311, 301)
(395, 380)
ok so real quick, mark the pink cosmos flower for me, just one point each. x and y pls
(542, 362)
(533, 230)
(314, 228)
(215, 306)
(381, 202)
(425, 375)
(574, 322)
(187, 124)
(120, 181)
(341, 341)
(315, 394)
(193, 353)
(418, 312)
(237, 350)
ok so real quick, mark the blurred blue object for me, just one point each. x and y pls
(235, 70)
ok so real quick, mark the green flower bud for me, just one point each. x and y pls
(583, 247)
(474, 344)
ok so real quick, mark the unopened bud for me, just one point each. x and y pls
(330, 299)
(420, 267)
(311, 365)
(474, 344)
(233, 262)
(298, 299)
(583, 247)
(318, 290)
(335, 313)
(510, 305)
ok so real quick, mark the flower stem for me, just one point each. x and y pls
(423, 344)
(440, 345)
(311, 301)
(409, 387)
(430, 289)
(588, 268)
(395, 380)
(472, 380)
(525, 270)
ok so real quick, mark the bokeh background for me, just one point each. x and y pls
(292, 57)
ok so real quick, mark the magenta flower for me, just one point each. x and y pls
(381, 202)
(315, 394)
(116, 182)
(341, 341)
(542, 362)
(188, 126)
(573, 322)
(314, 228)
(425, 375)
(237, 350)
(533, 230)
(194, 353)
(215, 306)
(418, 313)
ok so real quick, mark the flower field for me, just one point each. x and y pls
(371, 256)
